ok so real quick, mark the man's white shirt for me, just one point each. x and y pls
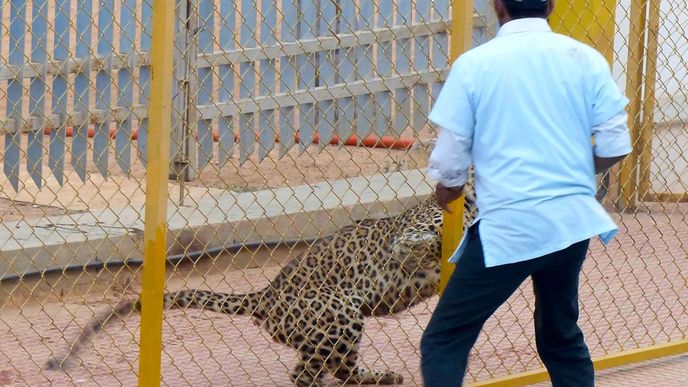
(523, 108)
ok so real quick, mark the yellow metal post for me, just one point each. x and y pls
(628, 178)
(155, 230)
(452, 224)
(649, 101)
(589, 21)
(600, 363)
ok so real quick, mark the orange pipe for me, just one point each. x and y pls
(370, 141)
(92, 132)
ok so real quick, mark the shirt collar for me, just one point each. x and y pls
(524, 25)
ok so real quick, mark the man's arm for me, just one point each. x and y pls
(612, 142)
(602, 164)
(609, 117)
(454, 115)
(449, 163)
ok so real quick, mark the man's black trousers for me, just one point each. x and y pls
(475, 292)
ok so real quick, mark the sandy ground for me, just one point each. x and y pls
(633, 294)
(315, 165)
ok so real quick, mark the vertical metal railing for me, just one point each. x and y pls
(452, 227)
(155, 232)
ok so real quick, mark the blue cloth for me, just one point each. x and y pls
(527, 103)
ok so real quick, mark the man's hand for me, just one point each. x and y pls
(446, 195)
(602, 164)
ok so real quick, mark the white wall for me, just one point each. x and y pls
(669, 167)
(672, 66)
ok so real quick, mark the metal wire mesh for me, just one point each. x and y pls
(74, 77)
(292, 119)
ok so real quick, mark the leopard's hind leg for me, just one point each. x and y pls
(333, 346)
(343, 359)
(309, 371)
(336, 351)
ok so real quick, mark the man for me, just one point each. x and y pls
(523, 108)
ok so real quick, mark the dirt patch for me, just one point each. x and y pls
(296, 167)
(315, 165)
(11, 210)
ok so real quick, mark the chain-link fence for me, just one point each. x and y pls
(291, 121)
(73, 91)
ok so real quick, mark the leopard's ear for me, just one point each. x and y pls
(413, 244)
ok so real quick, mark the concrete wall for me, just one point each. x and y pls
(669, 167)
(672, 66)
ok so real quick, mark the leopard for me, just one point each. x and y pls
(318, 302)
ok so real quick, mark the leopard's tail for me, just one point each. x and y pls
(97, 323)
(214, 301)
(195, 299)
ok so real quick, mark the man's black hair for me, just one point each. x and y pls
(519, 11)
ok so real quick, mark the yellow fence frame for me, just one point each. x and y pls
(600, 363)
(452, 223)
(628, 177)
(648, 106)
(155, 229)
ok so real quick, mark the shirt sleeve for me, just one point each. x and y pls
(608, 100)
(450, 159)
(612, 137)
(454, 110)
